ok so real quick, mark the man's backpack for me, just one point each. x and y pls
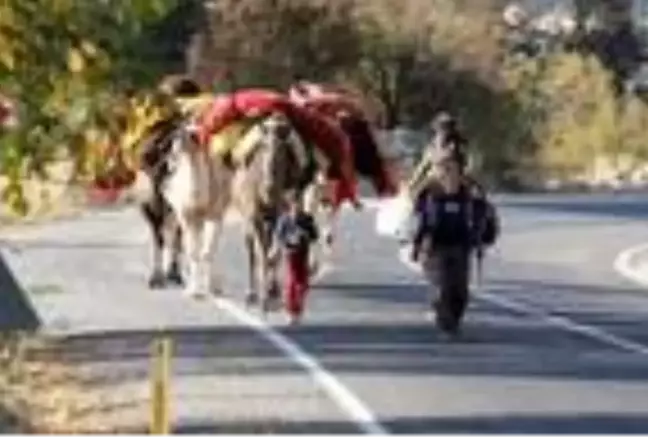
(491, 226)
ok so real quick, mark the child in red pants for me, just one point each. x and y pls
(296, 231)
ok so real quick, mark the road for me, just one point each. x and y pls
(555, 341)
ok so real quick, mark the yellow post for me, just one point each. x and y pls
(160, 423)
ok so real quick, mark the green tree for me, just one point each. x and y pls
(270, 43)
(70, 65)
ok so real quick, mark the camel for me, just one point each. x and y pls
(199, 187)
(157, 212)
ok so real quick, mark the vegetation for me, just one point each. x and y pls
(71, 66)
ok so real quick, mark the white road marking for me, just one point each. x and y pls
(623, 264)
(561, 322)
(343, 397)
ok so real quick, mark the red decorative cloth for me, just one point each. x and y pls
(367, 158)
(311, 125)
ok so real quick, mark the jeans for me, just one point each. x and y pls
(297, 281)
(448, 272)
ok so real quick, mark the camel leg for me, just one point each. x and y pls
(209, 264)
(313, 206)
(271, 287)
(252, 297)
(192, 231)
(258, 263)
(324, 245)
(155, 222)
(329, 229)
(267, 270)
(174, 252)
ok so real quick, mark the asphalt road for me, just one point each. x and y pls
(555, 342)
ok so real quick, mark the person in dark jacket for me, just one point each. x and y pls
(295, 233)
(455, 220)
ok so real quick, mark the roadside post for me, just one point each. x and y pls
(160, 382)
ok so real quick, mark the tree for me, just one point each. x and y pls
(270, 43)
(69, 65)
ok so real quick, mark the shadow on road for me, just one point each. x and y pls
(568, 423)
(491, 346)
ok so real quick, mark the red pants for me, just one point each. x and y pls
(296, 282)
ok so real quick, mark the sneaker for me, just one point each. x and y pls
(443, 320)
(293, 319)
(450, 334)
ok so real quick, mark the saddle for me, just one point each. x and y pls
(227, 142)
(236, 143)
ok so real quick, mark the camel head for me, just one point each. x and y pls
(278, 167)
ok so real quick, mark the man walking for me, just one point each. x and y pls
(454, 221)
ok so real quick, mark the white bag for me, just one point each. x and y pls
(394, 218)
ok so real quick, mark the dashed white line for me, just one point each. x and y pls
(561, 322)
(342, 396)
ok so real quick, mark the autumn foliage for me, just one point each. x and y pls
(73, 68)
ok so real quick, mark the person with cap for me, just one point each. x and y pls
(454, 221)
(445, 136)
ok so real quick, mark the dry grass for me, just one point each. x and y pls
(38, 392)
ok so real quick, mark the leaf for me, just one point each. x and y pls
(76, 61)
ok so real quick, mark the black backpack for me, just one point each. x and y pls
(490, 225)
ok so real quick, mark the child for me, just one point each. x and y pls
(295, 233)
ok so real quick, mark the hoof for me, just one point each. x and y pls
(216, 286)
(175, 278)
(156, 281)
(293, 319)
(274, 291)
(271, 305)
(252, 299)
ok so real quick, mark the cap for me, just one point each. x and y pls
(443, 120)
